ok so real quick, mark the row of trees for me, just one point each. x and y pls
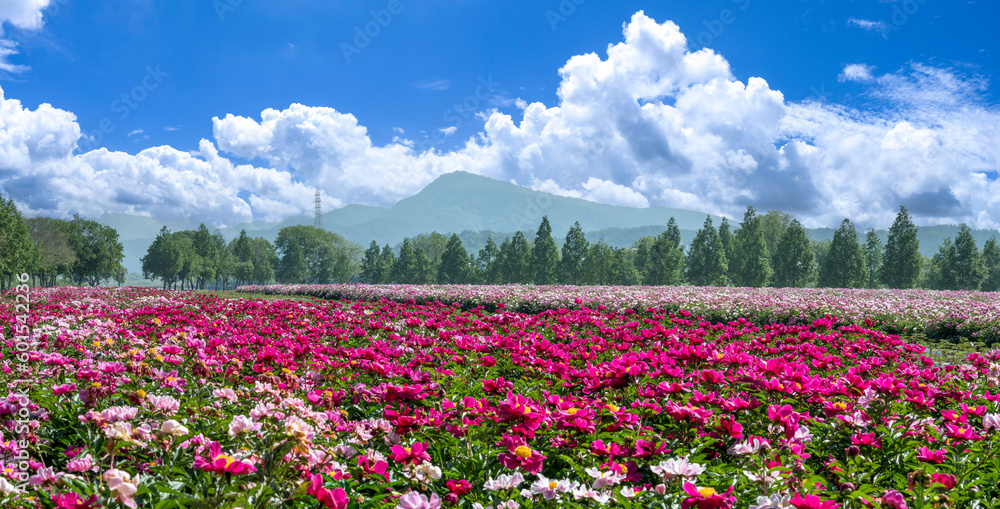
(80, 250)
(769, 250)
(300, 254)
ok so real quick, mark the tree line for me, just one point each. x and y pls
(80, 250)
(769, 250)
(763, 250)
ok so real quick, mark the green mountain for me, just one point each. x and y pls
(476, 206)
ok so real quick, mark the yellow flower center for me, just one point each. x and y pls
(719, 355)
(613, 407)
(706, 492)
(961, 431)
(229, 459)
(171, 379)
(572, 411)
(840, 406)
(407, 449)
(141, 393)
(552, 485)
(523, 452)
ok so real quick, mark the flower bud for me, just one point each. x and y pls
(853, 451)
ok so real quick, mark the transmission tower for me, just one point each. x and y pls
(318, 218)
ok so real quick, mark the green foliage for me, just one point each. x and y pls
(750, 264)
(574, 251)
(706, 260)
(98, 251)
(991, 264)
(902, 263)
(666, 258)
(486, 264)
(406, 265)
(544, 255)
(774, 224)
(454, 268)
(967, 266)
(938, 276)
(795, 264)
(873, 257)
(726, 234)
(844, 265)
(514, 260)
(51, 239)
(314, 255)
(164, 258)
(370, 265)
(640, 254)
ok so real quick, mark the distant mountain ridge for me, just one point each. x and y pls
(465, 203)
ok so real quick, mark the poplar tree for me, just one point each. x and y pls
(544, 255)
(386, 264)
(370, 264)
(574, 251)
(795, 265)
(706, 259)
(454, 267)
(902, 263)
(406, 265)
(750, 264)
(873, 258)
(967, 267)
(666, 257)
(991, 263)
(844, 264)
(487, 262)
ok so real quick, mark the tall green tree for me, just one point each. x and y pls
(51, 239)
(902, 263)
(574, 251)
(774, 224)
(750, 264)
(991, 263)
(598, 266)
(514, 259)
(641, 250)
(263, 260)
(424, 271)
(544, 255)
(370, 264)
(386, 264)
(939, 275)
(163, 259)
(405, 271)
(873, 258)
(666, 258)
(18, 254)
(454, 268)
(487, 264)
(98, 251)
(967, 266)
(794, 264)
(726, 235)
(706, 260)
(844, 265)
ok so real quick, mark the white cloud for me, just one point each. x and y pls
(856, 72)
(135, 132)
(25, 15)
(650, 123)
(867, 24)
(448, 131)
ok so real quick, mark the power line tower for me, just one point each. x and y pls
(318, 218)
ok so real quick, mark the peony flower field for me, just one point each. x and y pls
(385, 398)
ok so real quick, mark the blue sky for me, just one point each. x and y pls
(178, 89)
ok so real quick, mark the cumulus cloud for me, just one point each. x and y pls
(647, 123)
(856, 72)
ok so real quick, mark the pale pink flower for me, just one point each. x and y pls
(123, 485)
(242, 424)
